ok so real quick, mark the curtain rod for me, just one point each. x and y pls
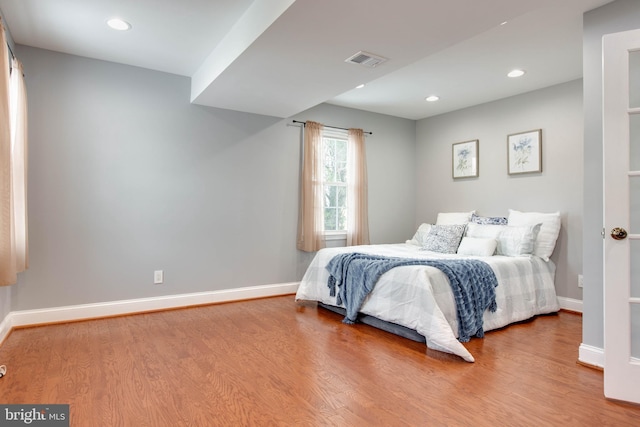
(332, 127)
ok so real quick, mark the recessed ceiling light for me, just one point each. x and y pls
(516, 73)
(504, 23)
(432, 98)
(118, 24)
(360, 86)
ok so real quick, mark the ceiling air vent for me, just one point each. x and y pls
(365, 58)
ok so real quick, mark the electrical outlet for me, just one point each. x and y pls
(158, 277)
(580, 284)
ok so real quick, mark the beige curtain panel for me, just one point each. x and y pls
(19, 163)
(311, 212)
(357, 190)
(13, 168)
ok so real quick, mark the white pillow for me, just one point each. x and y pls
(421, 235)
(453, 218)
(518, 240)
(549, 231)
(477, 246)
(484, 231)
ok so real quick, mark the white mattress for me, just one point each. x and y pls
(420, 297)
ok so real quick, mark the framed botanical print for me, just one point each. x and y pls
(524, 152)
(465, 159)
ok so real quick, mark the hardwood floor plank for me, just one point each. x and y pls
(274, 362)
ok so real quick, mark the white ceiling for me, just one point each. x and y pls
(281, 57)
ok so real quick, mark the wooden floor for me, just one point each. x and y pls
(273, 362)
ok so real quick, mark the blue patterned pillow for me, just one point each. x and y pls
(444, 238)
(491, 220)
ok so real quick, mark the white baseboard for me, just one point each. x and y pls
(116, 308)
(590, 355)
(570, 304)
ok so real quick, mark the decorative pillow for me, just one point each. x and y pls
(444, 238)
(492, 220)
(484, 231)
(452, 218)
(549, 231)
(518, 240)
(421, 235)
(477, 246)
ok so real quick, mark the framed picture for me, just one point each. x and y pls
(524, 152)
(465, 159)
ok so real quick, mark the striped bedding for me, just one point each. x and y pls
(420, 297)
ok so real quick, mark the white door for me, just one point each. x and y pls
(621, 126)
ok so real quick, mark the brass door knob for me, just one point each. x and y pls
(619, 233)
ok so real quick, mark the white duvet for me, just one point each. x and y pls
(420, 297)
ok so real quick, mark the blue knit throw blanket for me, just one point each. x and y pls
(472, 281)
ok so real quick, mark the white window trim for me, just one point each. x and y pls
(335, 134)
(335, 235)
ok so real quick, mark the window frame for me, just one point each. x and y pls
(343, 135)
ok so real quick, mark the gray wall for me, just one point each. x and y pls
(556, 110)
(620, 15)
(127, 177)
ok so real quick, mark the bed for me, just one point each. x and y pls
(419, 298)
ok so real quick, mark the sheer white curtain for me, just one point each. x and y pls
(357, 190)
(311, 212)
(13, 168)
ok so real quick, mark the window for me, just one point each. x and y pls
(335, 174)
(333, 188)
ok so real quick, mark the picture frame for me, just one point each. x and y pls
(464, 159)
(524, 152)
